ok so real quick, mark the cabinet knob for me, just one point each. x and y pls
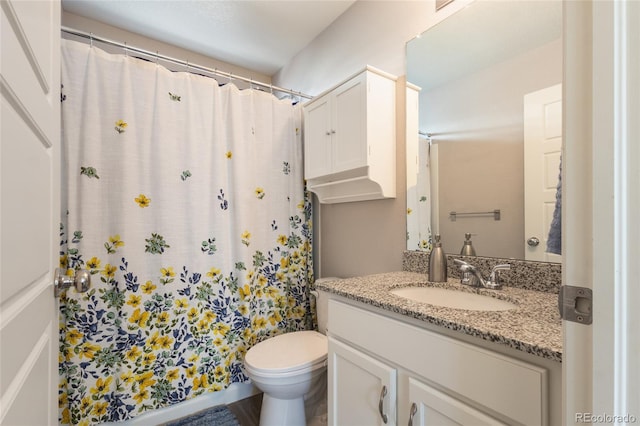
(328, 133)
(383, 393)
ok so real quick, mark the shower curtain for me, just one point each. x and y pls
(185, 201)
(419, 197)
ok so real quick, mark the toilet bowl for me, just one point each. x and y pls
(288, 368)
(285, 368)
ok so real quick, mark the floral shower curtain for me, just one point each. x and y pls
(419, 196)
(185, 201)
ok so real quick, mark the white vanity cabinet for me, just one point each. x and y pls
(441, 380)
(349, 139)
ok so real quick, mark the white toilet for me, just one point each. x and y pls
(286, 368)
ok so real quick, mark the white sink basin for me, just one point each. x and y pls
(453, 299)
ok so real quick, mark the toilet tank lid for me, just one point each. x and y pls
(326, 280)
(288, 351)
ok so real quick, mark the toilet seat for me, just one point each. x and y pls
(288, 354)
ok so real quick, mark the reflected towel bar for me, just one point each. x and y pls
(495, 213)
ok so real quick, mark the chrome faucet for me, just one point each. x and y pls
(472, 277)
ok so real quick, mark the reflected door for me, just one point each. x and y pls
(542, 149)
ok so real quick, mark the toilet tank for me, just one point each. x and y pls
(322, 304)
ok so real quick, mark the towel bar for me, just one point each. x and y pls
(495, 213)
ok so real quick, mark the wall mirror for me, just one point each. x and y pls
(490, 102)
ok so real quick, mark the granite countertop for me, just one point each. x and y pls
(533, 327)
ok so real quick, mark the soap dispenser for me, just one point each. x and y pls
(467, 248)
(437, 262)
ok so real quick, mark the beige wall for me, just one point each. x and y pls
(481, 177)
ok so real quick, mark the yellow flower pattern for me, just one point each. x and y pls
(164, 323)
(121, 126)
(93, 264)
(142, 200)
(113, 244)
(246, 238)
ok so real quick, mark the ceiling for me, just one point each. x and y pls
(260, 35)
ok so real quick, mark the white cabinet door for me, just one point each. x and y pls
(429, 406)
(317, 155)
(335, 130)
(362, 390)
(349, 126)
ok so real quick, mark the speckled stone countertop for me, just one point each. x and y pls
(533, 327)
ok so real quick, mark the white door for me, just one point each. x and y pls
(29, 210)
(542, 148)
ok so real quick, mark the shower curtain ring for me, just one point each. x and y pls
(187, 65)
(157, 57)
(90, 39)
(126, 50)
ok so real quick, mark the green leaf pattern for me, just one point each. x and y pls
(89, 172)
(156, 244)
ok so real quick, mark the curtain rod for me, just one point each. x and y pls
(187, 64)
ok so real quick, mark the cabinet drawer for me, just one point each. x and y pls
(510, 387)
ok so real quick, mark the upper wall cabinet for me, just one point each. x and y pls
(350, 139)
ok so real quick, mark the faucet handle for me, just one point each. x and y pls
(464, 267)
(462, 264)
(502, 267)
(467, 270)
(494, 278)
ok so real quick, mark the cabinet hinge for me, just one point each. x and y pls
(575, 304)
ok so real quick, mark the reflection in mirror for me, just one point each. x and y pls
(475, 69)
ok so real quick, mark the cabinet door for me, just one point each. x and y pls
(433, 407)
(349, 115)
(357, 385)
(317, 138)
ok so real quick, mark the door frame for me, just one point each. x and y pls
(602, 204)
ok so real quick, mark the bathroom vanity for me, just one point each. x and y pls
(394, 360)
